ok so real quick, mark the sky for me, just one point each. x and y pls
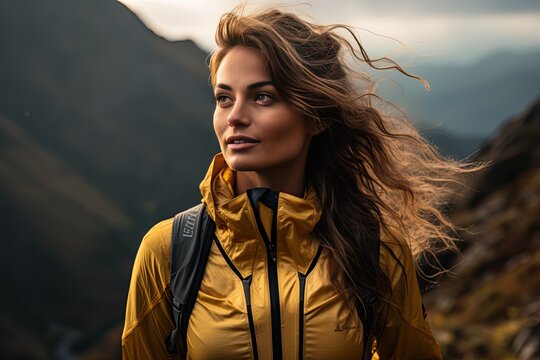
(432, 31)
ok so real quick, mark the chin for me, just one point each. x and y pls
(244, 165)
(258, 161)
(245, 162)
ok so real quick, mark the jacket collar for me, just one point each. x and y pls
(236, 226)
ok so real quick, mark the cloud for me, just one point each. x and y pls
(463, 7)
(450, 38)
(450, 31)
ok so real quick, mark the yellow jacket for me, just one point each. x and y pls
(219, 327)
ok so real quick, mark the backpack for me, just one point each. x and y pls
(192, 236)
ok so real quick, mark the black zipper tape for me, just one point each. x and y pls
(246, 282)
(270, 199)
(302, 278)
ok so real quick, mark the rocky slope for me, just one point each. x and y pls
(490, 307)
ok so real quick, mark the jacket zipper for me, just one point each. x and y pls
(274, 303)
(302, 278)
(246, 282)
(247, 293)
(272, 268)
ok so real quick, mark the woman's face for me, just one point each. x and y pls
(271, 133)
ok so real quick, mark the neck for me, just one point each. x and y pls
(287, 178)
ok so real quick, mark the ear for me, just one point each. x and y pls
(314, 128)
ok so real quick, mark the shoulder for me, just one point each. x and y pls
(150, 277)
(151, 266)
(396, 257)
(157, 240)
(156, 243)
(406, 332)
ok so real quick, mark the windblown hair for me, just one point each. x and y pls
(373, 173)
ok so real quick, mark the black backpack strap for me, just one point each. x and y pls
(367, 310)
(192, 234)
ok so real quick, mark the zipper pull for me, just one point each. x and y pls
(272, 252)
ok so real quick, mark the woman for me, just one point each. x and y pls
(317, 197)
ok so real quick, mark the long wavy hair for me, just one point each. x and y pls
(372, 172)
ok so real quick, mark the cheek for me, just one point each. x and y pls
(288, 129)
(218, 127)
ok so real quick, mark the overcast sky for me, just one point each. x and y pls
(456, 31)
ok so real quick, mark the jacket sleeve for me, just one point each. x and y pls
(148, 311)
(406, 334)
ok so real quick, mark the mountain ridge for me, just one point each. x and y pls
(489, 308)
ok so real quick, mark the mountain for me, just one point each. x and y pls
(119, 104)
(50, 260)
(489, 308)
(451, 144)
(471, 100)
(105, 129)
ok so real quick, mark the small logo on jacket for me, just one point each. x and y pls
(345, 327)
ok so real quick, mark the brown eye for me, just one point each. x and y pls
(222, 99)
(266, 98)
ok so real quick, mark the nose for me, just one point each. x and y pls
(239, 115)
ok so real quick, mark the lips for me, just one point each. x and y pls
(241, 143)
(240, 139)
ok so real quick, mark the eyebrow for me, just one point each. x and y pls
(249, 87)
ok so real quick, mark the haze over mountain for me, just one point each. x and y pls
(105, 129)
(472, 100)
